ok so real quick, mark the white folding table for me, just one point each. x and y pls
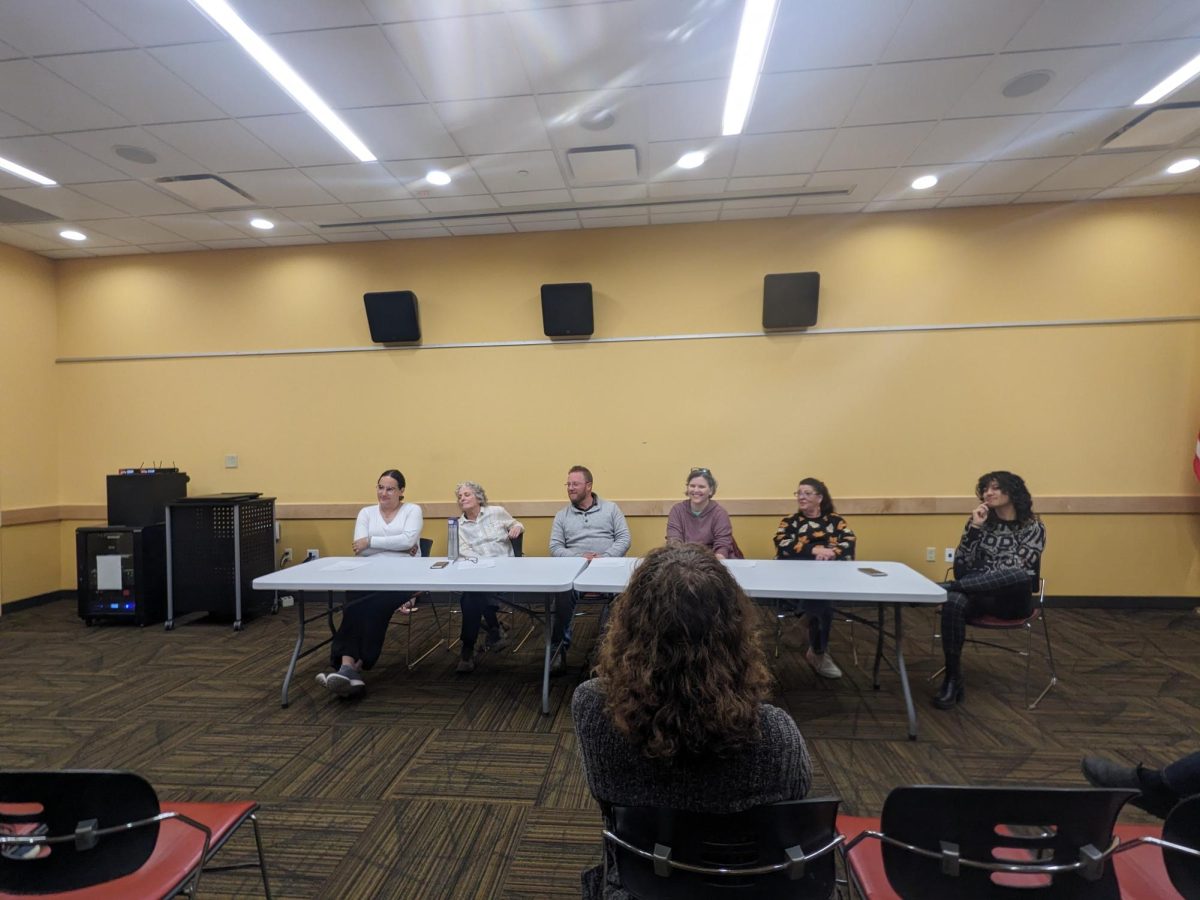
(545, 576)
(840, 582)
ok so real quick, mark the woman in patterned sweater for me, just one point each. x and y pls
(996, 567)
(815, 532)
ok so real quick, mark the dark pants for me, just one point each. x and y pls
(477, 606)
(562, 620)
(1004, 593)
(820, 622)
(364, 626)
(1182, 777)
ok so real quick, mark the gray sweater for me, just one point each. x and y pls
(776, 768)
(599, 529)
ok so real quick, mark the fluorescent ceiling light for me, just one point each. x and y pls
(693, 159)
(285, 76)
(438, 177)
(262, 224)
(758, 16)
(924, 183)
(72, 235)
(21, 172)
(1171, 83)
(1183, 165)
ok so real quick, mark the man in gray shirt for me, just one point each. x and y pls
(587, 527)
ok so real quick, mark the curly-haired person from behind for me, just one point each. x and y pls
(675, 717)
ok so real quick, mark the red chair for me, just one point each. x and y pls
(1161, 863)
(96, 834)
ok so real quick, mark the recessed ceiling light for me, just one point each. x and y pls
(758, 16)
(924, 183)
(1183, 165)
(438, 177)
(692, 159)
(262, 224)
(1027, 83)
(597, 119)
(1171, 83)
(21, 172)
(223, 15)
(72, 235)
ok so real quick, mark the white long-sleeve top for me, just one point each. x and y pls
(400, 535)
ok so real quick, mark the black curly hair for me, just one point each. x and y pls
(1014, 486)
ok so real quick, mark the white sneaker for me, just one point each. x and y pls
(823, 664)
(345, 682)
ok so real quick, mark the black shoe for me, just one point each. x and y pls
(951, 693)
(1105, 774)
(558, 664)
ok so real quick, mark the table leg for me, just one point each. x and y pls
(878, 648)
(291, 669)
(550, 604)
(908, 701)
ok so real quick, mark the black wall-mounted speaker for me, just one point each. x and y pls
(392, 316)
(567, 310)
(790, 301)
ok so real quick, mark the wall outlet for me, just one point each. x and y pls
(949, 554)
(312, 553)
(287, 556)
(930, 554)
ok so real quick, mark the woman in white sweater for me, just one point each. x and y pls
(391, 526)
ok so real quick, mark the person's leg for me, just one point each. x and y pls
(562, 620)
(472, 606)
(497, 637)
(954, 635)
(820, 622)
(358, 641)
(1182, 777)
(1159, 789)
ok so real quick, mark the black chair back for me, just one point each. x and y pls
(776, 835)
(67, 803)
(997, 826)
(517, 543)
(1182, 828)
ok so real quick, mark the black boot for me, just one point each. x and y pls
(952, 685)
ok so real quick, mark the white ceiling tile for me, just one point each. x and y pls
(234, 244)
(692, 110)
(153, 22)
(1070, 67)
(1122, 191)
(675, 217)
(10, 126)
(821, 209)
(358, 182)
(617, 221)
(979, 200)
(7, 52)
(781, 154)
(874, 146)
(176, 247)
(502, 173)
(339, 236)
(132, 197)
(240, 221)
(281, 187)
(50, 231)
(823, 35)
(461, 59)
(970, 140)
(298, 139)
(102, 145)
(20, 236)
(224, 73)
(410, 10)
(122, 250)
(133, 231)
(864, 183)
(579, 48)
(535, 198)
(67, 254)
(617, 192)
(1009, 176)
(195, 226)
(1054, 196)
(661, 159)
(56, 160)
(36, 95)
(1181, 18)
(466, 229)
(899, 185)
(411, 173)
(767, 183)
(1080, 23)
(401, 132)
(416, 233)
(44, 27)
(900, 205)
(563, 115)
(914, 91)
(785, 203)
(135, 84)
(608, 212)
(523, 224)
(349, 66)
(62, 202)
(1067, 133)
(502, 125)
(687, 188)
(1136, 69)
(1154, 173)
(384, 209)
(762, 212)
(459, 204)
(292, 240)
(222, 146)
(320, 215)
(689, 41)
(799, 101)
(268, 16)
(935, 28)
(1099, 171)
(545, 216)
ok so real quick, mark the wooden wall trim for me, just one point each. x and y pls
(1150, 504)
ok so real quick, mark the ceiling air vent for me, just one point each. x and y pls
(205, 192)
(1163, 126)
(603, 165)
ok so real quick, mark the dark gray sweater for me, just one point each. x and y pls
(774, 769)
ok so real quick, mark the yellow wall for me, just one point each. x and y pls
(28, 421)
(1078, 410)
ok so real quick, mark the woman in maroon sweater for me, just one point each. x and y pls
(700, 519)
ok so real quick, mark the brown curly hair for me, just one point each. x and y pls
(681, 665)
